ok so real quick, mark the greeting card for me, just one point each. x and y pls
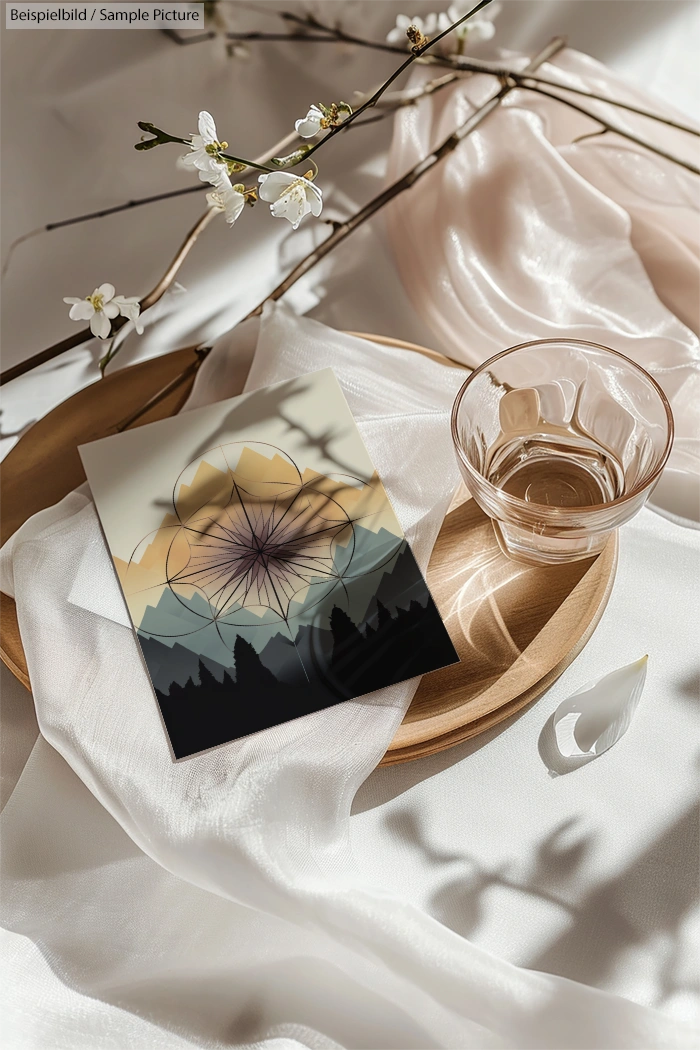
(264, 570)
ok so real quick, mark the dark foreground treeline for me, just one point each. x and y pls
(339, 664)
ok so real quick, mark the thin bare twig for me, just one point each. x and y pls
(169, 388)
(524, 80)
(591, 135)
(167, 195)
(254, 36)
(613, 128)
(335, 36)
(183, 41)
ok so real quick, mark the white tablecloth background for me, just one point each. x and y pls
(592, 875)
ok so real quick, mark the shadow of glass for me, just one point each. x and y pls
(492, 607)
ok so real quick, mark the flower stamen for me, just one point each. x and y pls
(214, 148)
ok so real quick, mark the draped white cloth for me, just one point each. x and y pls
(256, 832)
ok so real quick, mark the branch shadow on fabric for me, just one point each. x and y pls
(646, 901)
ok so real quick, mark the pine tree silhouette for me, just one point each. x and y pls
(250, 671)
(208, 682)
(347, 638)
(383, 615)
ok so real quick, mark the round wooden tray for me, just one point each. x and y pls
(515, 627)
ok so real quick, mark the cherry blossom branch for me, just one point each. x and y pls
(161, 138)
(148, 300)
(137, 203)
(417, 51)
(408, 180)
(390, 104)
(343, 230)
(238, 164)
(334, 34)
(421, 46)
(458, 66)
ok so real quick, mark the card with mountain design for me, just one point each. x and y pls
(264, 570)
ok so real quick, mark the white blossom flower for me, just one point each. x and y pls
(99, 309)
(475, 29)
(228, 199)
(290, 196)
(310, 125)
(130, 307)
(205, 149)
(427, 27)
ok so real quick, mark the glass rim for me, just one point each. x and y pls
(557, 513)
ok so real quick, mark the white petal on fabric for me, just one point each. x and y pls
(592, 720)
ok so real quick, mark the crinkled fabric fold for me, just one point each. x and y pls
(522, 233)
(263, 822)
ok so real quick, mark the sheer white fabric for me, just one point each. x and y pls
(269, 930)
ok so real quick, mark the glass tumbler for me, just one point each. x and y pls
(560, 442)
